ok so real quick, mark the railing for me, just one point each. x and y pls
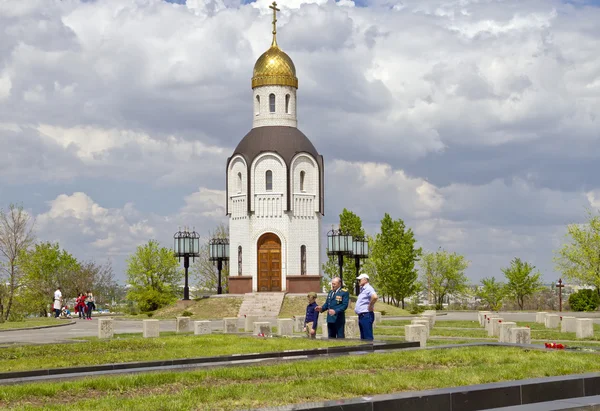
(268, 205)
(238, 207)
(304, 205)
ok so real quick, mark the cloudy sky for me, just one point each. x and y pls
(475, 121)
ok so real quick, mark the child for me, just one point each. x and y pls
(312, 317)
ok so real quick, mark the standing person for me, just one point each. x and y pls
(57, 302)
(89, 299)
(336, 305)
(364, 308)
(312, 317)
(80, 301)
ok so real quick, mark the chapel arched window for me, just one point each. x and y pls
(240, 260)
(269, 180)
(303, 260)
(257, 108)
(287, 104)
(272, 103)
(302, 176)
(239, 182)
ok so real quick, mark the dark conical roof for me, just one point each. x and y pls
(285, 141)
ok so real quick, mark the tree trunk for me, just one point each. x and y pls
(403, 303)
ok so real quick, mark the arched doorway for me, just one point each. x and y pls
(269, 263)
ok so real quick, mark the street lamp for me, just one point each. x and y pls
(186, 245)
(360, 249)
(219, 251)
(339, 243)
(560, 286)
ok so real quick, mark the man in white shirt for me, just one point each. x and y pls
(57, 306)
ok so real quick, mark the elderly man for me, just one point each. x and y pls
(335, 306)
(364, 308)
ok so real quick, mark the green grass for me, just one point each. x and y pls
(30, 322)
(298, 382)
(132, 347)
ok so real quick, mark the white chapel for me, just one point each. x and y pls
(274, 188)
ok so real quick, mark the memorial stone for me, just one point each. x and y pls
(230, 325)
(552, 321)
(520, 335)
(568, 324)
(481, 317)
(285, 327)
(505, 328)
(422, 322)
(249, 323)
(202, 327)
(324, 330)
(298, 323)
(105, 328)
(262, 329)
(494, 329)
(351, 327)
(377, 318)
(150, 328)
(416, 333)
(540, 317)
(584, 328)
(183, 324)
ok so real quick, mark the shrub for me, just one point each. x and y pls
(584, 300)
(187, 314)
(150, 314)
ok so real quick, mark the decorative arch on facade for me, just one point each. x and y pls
(237, 166)
(305, 177)
(275, 163)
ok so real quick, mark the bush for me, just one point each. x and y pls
(584, 300)
(150, 314)
(187, 314)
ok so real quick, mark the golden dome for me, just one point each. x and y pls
(274, 67)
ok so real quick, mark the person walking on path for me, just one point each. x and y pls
(335, 306)
(312, 317)
(90, 302)
(364, 308)
(57, 305)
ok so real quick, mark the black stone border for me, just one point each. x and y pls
(40, 327)
(103, 368)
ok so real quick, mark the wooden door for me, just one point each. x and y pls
(269, 263)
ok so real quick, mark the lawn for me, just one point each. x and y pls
(296, 305)
(30, 322)
(298, 382)
(132, 347)
(204, 309)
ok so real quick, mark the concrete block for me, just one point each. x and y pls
(422, 322)
(324, 330)
(494, 328)
(202, 327)
(298, 323)
(520, 335)
(106, 328)
(552, 321)
(431, 318)
(584, 328)
(230, 325)
(183, 325)
(504, 334)
(568, 324)
(540, 317)
(262, 329)
(416, 333)
(150, 328)
(285, 327)
(481, 317)
(249, 323)
(488, 321)
(377, 318)
(351, 329)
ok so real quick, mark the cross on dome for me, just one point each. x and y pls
(275, 10)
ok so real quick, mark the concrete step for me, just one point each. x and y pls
(262, 304)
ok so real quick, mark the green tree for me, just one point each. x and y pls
(16, 236)
(395, 256)
(522, 281)
(45, 267)
(153, 275)
(584, 300)
(351, 224)
(444, 274)
(492, 293)
(579, 259)
(205, 271)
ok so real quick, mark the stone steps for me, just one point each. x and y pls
(261, 304)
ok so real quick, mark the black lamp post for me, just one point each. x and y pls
(219, 251)
(360, 249)
(339, 243)
(186, 245)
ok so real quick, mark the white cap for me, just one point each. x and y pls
(360, 277)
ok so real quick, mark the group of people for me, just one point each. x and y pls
(336, 305)
(85, 303)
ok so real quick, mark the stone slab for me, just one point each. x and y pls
(540, 317)
(285, 327)
(422, 322)
(584, 328)
(230, 325)
(504, 334)
(202, 327)
(378, 318)
(298, 323)
(568, 324)
(249, 323)
(106, 328)
(494, 327)
(150, 328)
(262, 329)
(351, 328)
(520, 335)
(552, 321)
(481, 317)
(416, 333)
(182, 325)
(324, 330)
